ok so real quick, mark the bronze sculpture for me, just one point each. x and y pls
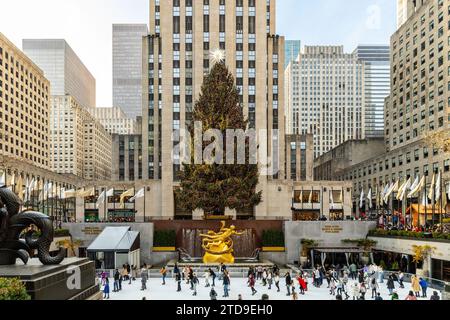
(14, 243)
(218, 246)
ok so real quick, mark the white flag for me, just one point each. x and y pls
(448, 190)
(3, 179)
(361, 200)
(417, 188)
(332, 200)
(139, 194)
(438, 187)
(369, 197)
(391, 189)
(110, 193)
(431, 191)
(101, 199)
(415, 184)
(402, 192)
(424, 200)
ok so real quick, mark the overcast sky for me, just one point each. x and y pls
(87, 26)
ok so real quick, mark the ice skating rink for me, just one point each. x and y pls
(155, 291)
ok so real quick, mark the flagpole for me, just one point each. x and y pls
(145, 200)
(433, 202)
(426, 203)
(105, 204)
(443, 194)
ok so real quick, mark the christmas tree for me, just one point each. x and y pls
(213, 187)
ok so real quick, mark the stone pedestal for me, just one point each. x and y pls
(73, 279)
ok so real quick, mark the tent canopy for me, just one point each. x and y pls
(115, 239)
(419, 211)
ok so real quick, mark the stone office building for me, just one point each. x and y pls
(24, 107)
(417, 106)
(176, 59)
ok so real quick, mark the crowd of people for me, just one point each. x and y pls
(346, 283)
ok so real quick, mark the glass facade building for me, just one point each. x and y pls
(377, 85)
(127, 67)
(292, 50)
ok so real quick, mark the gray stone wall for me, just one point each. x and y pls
(326, 233)
(87, 232)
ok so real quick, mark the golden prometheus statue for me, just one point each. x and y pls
(218, 246)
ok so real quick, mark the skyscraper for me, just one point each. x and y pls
(79, 144)
(292, 50)
(64, 69)
(182, 34)
(325, 96)
(24, 107)
(127, 67)
(377, 84)
(406, 8)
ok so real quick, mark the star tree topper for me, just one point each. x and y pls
(217, 56)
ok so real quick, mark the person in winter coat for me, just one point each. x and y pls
(264, 277)
(213, 294)
(415, 285)
(395, 296)
(353, 271)
(207, 276)
(355, 292)
(116, 281)
(378, 297)
(190, 277)
(194, 282)
(178, 280)
(259, 273)
(375, 287)
(163, 272)
(411, 296)
(288, 281)
(302, 283)
(345, 278)
(361, 277)
(106, 289)
(424, 285)
(176, 269)
(124, 272)
(213, 277)
(226, 284)
(401, 277)
(362, 291)
(144, 278)
(435, 296)
(269, 280)
(277, 281)
(390, 285)
(251, 283)
(332, 287)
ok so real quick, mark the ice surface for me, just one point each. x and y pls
(156, 291)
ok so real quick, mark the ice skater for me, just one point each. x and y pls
(106, 289)
(251, 283)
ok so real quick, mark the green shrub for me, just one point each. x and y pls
(383, 264)
(164, 238)
(13, 289)
(273, 238)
